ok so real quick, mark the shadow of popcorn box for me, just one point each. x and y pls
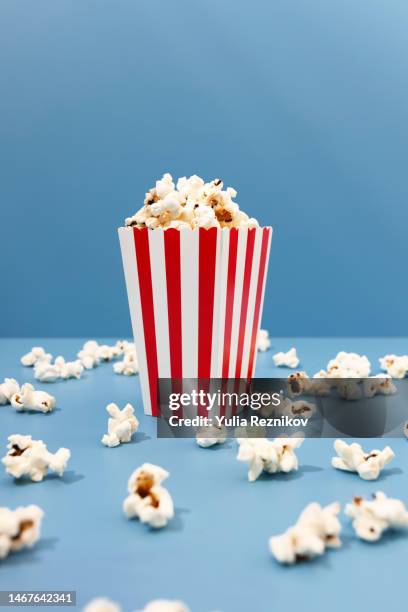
(195, 300)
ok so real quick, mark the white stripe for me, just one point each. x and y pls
(189, 252)
(251, 302)
(219, 294)
(239, 279)
(127, 245)
(263, 295)
(159, 285)
(223, 281)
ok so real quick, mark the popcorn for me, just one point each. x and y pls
(7, 389)
(102, 604)
(372, 517)
(349, 390)
(36, 355)
(129, 365)
(263, 342)
(108, 353)
(44, 371)
(406, 429)
(190, 204)
(299, 408)
(148, 500)
(381, 384)
(210, 436)
(89, 355)
(396, 366)
(268, 456)
(28, 457)
(316, 529)
(165, 605)
(69, 369)
(346, 365)
(288, 360)
(30, 399)
(299, 383)
(19, 528)
(352, 458)
(121, 426)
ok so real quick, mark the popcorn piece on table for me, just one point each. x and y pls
(148, 500)
(36, 355)
(19, 528)
(89, 354)
(372, 517)
(316, 529)
(269, 456)
(102, 604)
(191, 203)
(129, 365)
(69, 369)
(7, 389)
(211, 435)
(30, 399)
(395, 365)
(165, 605)
(299, 383)
(263, 342)
(121, 426)
(352, 458)
(28, 457)
(288, 359)
(44, 371)
(346, 365)
(381, 384)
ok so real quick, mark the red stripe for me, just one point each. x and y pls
(173, 280)
(245, 298)
(258, 299)
(146, 299)
(229, 303)
(206, 282)
(173, 283)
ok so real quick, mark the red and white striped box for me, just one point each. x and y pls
(195, 299)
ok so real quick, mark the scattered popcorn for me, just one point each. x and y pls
(44, 371)
(269, 456)
(316, 529)
(346, 365)
(165, 605)
(148, 500)
(7, 389)
(69, 369)
(30, 399)
(36, 355)
(189, 204)
(108, 353)
(286, 360)
(352, 458)
(19, 528)
(372, 517)
(121, 426)
(28, 457)
(102, 604)
(299, 383)
(396, 366)
(381, 384)
(89, 355)
(211, 435)
(129, 365)
(263, 342)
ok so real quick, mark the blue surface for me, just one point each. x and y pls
(302, 106)
(214, 554)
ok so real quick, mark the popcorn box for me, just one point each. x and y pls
(195, 299)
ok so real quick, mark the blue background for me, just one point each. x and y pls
(302, 106)
(214, 554)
